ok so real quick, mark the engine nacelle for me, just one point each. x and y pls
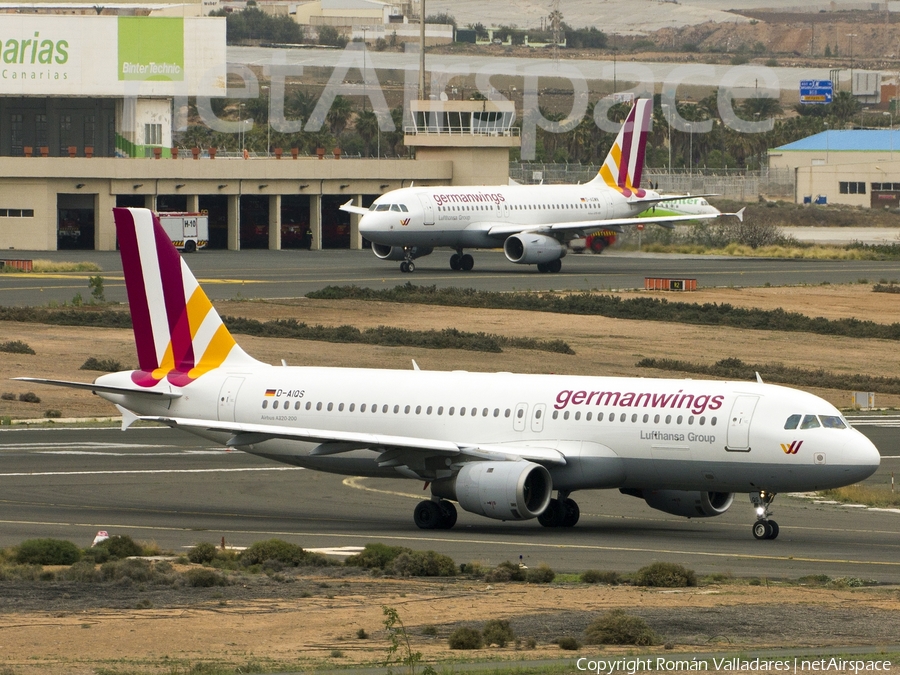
(501, 490)
(687, 504)
(531, 249)
(386, 252)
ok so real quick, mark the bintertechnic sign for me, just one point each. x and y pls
(45, 55)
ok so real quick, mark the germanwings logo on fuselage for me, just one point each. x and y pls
(404, 222)
(792, 448)
(696, 403)
(469, 198)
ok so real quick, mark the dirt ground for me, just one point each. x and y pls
(58, 627)
(312, 622)
(603, 346)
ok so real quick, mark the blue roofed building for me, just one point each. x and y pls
(859, 167)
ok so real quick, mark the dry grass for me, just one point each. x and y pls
(50, 266)
(877, 496)
(789, 252)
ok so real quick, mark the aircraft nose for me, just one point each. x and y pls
(865, 456)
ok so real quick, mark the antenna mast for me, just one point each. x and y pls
(555, 26)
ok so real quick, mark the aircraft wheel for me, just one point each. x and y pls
(774, 527)
(553, 515)
(454, 262)
(571, 513)
(466, 263)
(542, 268)
(428, 515)
(554, 266)
(448, 514)
(404, 267)
(762, 529)
(410, 266)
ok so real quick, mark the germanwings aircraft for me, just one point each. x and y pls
(533, 223)
(497, 444)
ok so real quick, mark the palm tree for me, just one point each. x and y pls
(339, 115)
(367, 128)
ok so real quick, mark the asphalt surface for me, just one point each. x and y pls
(165, 486)
(229, 275)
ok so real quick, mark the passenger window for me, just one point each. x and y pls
(496, 412)
(362, 408)
(418, 410)
(600, 417)
(832, 422)
(319, 405)
(691, 419)
(792, 422)
(668, 419)
(623, 417)
(634, 417)
(309, 405)
(712, 422)
(384, 408)
(810, 422)
(656, 419)
(646, 418)
(587, 418)
(577, 416)
(462, 412)
(297, 405)
(702, 421)
(330, 407)
(450, 412)
(506, 414)
(556, 414)
(341, 407)
(484, 413)
(265, 404)
(520, 413)
(428, 410)
(406, 410)
(474, 412)
(440, 410)
(274, 405)
(396, 409)
(537, 414)
(566, 415)
(678, 421)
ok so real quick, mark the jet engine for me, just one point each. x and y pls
(502, 490)
(687, 504)
(530, 249)
(386, 252)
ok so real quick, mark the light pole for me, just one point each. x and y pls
(891, 131)
(851, 36)
(826, 142)
(268, 126)
(665, 107)
(691, 151)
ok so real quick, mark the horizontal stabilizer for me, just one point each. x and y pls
(106, 389)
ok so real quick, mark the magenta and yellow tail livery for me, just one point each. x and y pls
(623, 166)
(178, 334)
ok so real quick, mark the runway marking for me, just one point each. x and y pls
(84, 275)
(149, 471)
(493, 542)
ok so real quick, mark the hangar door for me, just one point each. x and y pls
(75, 221)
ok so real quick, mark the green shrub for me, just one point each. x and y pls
(16, 347)
(29, 397)
(569, 643)
(598, 577)
(203, 553)
(133, 569)
(618, 628)
(497, 632)
(84, 571)
(7, 396)
(429, 630)
(21, 573)
(465, 638)
(103, 365)
(280, 551)
(203, 577)
(47, 552)
(505, 571)
(423, 564)
(814, 580)
(53, 413)
(361, 634)
(542, 574)
(376, 556)
(115, 548)
(665, 575)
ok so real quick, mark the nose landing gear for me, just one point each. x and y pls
(763, 528)
(408, 266)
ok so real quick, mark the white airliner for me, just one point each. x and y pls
(498, 444)
(533, 223)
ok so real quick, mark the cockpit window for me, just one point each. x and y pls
(810, 422)
(395, 207)
(403, 208)
(383, 207)
(792, 422)
(832, 422)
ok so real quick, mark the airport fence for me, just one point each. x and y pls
(738, 184)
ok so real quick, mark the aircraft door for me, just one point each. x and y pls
(228, 398)
(519, 416)
(739, 423)
(537, 417)
(428, 209)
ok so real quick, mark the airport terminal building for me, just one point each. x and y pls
(87, 111)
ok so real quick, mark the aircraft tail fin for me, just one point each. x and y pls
(178, 334)
(625, 162)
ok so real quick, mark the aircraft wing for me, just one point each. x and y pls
(586, 227)
(396, 450)
(350, 208)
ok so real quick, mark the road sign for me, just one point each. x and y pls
(816, 91)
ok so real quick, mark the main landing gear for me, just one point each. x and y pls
(460, 261)
(553, 266)
(434, 514)
(763, 528)
(561, 512)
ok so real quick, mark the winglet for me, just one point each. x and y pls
(758, 376)
(415, 365)
(128, 417)
(349, 207)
